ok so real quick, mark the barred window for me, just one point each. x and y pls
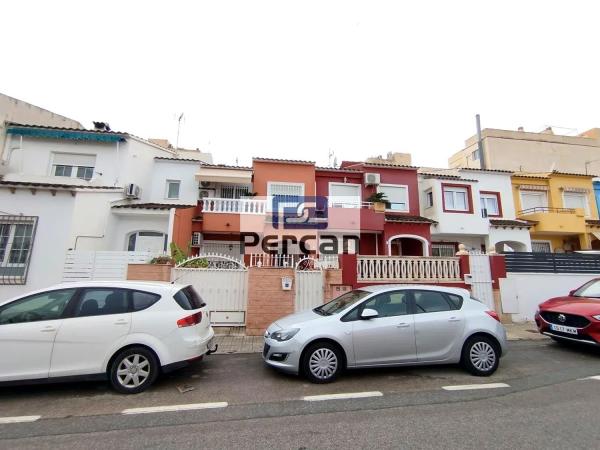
(17, 234)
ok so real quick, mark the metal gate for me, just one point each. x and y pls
(481, 278)
(221, 281)
(309, 284)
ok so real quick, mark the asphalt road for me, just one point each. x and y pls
(546, 400)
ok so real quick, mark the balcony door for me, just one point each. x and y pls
(533, 199)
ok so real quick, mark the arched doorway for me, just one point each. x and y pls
(407, 245)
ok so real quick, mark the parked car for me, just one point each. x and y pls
(388, 325)
(574, 318)
(124, 331)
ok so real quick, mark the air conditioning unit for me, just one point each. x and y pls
(132, 191)
(206, 193)
(372, 179)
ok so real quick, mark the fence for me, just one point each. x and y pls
(552, 262)
(101, 265)
(233, 205)
(268, 260)
(390, 269)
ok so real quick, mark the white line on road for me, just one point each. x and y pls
(19, 419)
(466, 387)
(168, 408)
(318, 398)
(594, 377)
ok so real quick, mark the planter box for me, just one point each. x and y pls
(149, 272)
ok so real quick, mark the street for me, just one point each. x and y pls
(542, 398)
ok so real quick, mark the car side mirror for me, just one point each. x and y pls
(572, 292)
(368, 313)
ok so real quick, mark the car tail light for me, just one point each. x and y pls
(190, 321)
(493, 315)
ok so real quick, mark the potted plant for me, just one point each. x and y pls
(379, 201)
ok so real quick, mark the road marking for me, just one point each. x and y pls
(168, 408)
(466, 387)
(318, 398)
(594, 377)
(19, 419)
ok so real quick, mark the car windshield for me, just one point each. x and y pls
(590, 290)
(342, 302)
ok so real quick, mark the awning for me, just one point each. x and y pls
(54, 133)
(234, 176)
(596, 234)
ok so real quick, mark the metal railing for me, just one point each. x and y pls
(407, 268)
(268, 260)
(545, 209)
(234, 205)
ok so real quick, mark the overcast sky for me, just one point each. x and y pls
(295, 79)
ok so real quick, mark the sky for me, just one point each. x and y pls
(301, 79)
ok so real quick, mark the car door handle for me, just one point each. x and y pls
(121, 322)
(48, 329)
(454, 319)
(403, 325)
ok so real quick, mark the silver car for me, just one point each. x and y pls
(389, 325)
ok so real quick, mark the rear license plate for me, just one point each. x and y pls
(563, 329)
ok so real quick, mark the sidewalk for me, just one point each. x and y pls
(233, 340)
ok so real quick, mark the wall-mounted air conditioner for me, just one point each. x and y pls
(132, 191)
(372, 179)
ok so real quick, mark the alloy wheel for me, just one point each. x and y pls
(323, 363)
(482, 356)
(133, 371)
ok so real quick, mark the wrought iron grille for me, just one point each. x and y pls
(17, 235)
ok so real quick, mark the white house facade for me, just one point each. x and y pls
(72, 189)
(471, 207)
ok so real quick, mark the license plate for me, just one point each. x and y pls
(563, 329)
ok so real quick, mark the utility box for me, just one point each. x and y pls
(286, 283)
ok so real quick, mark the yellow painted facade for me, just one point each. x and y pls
(563, 228)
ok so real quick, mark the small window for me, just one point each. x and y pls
(455, 300)
(46, 306)
(73, 165)
(344, 195)
(142, 300)
(189, 299)
(490, 204)
(101, 302)
(287, 194)
(475, 155)
(63, 171)
(388, 304)
(396, 196)
(443, 250)
(173, 189)
(17, 234)
(576, 200)
(430, 301)
(456, 198)
(428, 198)
(541, 247)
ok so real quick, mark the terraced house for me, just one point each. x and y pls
(561, 208)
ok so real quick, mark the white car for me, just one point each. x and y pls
(388, 325)
(125, 331)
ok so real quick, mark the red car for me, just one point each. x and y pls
(574, 318)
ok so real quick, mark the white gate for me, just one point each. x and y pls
(84, 265)
(309, 284)
(481, 278)
(221, 281)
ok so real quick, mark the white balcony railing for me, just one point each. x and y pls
(407, 268)
(267, 260)
(234, 205)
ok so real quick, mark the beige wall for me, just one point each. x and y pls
(533, 152)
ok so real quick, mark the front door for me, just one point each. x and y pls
(28, 327)
(389, 338)
(101, 319)
(438, 325)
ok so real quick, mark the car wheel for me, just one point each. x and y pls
(133, 370)
(480, 356)
(322, 362)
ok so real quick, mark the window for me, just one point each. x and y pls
(490, 204)
(456, 198)
(533, 199)
(431, 301)
(388, 304)
(428, 198)
(102, 301)
(189, 299)
(73, 165)
(455, 300)
(147, 241)
(46, 306)
(475, 155)
(443, 250)
(342, 302)
(16, 241)
(396, 195)
(142, 300)
(576, 200)
(234, 191)
(344, 195)
(541, 247)
(172, 189)
(287, 194)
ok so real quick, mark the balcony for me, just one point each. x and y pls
(230, 215)
(354, 217)
(233, 206)
(555, 220)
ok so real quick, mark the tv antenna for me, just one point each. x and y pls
(178, 129)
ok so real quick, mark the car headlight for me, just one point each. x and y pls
(284, 335)
(597, 317)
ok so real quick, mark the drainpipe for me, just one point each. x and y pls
(118, 166)
(480, 143)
